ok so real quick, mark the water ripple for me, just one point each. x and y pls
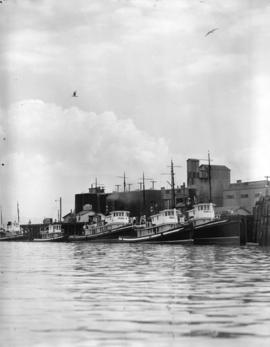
(133, 295)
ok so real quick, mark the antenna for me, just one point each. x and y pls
(101, 185)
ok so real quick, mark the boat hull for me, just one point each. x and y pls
(177, 235)
(14, 238)
(52, 239)
(108, 236)
(224, 232)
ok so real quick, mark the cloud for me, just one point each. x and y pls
(54, 152)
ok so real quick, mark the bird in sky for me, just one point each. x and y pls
(75, 94)
(211, 31)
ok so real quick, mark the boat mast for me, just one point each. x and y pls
(143, 184)
(124, 182)
(209, 178)
(267, 185)
(1, 217)
(172, 185)
(18, 213)
(60, 210)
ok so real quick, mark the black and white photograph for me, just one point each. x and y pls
(135, 173)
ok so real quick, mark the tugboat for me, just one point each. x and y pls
(211, 229)
(13, 232)
(167, 226)
(51, 233)
(107, 229)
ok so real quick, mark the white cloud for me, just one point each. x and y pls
(53, 151)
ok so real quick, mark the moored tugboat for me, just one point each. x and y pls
(168, 226)
(109, 228)
(13, 232)
(211, 229)
(51, 233)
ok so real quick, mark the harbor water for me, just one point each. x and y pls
(82, 294)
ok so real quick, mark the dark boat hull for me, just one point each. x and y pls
(108, 236)
(14, 238)
(224, 232)
(176, 235)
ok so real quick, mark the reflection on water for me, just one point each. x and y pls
(132, 295)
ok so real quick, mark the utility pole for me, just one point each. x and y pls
(117, 187)
(153, 184)
(129, 185)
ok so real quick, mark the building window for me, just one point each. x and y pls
(229, 196)
(243, 196)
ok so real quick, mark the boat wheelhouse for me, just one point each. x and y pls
(116, 218)
(202, 213)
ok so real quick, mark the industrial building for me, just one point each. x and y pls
(198, 181)
(182, 195)
(244, 194)
(96, 198)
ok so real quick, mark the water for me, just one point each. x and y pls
(133, 295)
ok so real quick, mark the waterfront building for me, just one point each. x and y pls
(96, 197)
(86, 214)
(244, 194)
(69, 217)
(138, 202)
(198, 181)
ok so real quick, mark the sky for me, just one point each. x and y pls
(152, 87)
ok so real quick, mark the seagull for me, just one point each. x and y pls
(211, 31)
(75, 94)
